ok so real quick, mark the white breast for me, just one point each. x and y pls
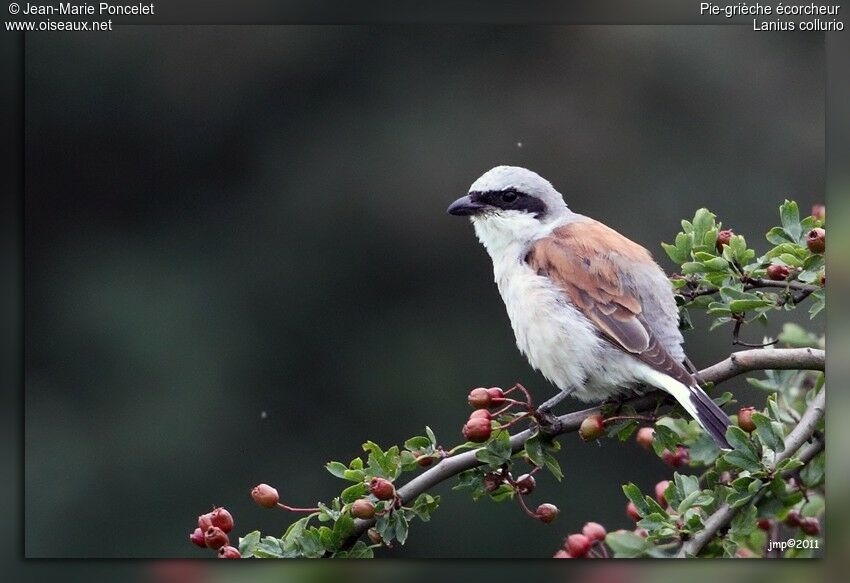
(555, 337)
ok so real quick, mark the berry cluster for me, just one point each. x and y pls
(212, 533)
(479, 428)
(589, 543)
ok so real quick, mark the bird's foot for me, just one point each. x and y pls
(548, 421)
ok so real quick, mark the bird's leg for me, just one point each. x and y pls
(548, 421)
(548, 405)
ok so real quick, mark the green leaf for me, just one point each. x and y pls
(360, 550)
(739, 440)
(534, 450)
(716, 264)
(654, 522)
(693, 267)
(664, 439)
(417, 443)
(553, 466)
(744, 523)
(789, 214)
(738, 306)
(310, 544)
(354, 475)
(503, 492)
(637, 498)
(336, 468)
(327, 514)
(818, 303)
(788, 465)
(343, 528)
(742, 460)
(770, 432)
(795, 336)
(248, 543)
(699, 498)
(777, 236)
(401, 528)
(813, 474)
(425, 505)
(431, 436)
(703, 222)
(627, 544)
(354, 492)
(674, 253)
(497, 452)
(268, 548)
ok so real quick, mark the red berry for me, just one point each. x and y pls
(676, 459)
(363, 509)
(497, 396)
(424, 460)
(525, 484)
(793, 519)
(374, 536)
(205, 521)
(594, 531)
(229, 552)
(819, 211)
(382, 489)
(777, 272)
(745, 419)
(577, 545)
(660, 487)
(197, 537)
(479, 398)
(482, 413)
(265, 496)
(562, 554)
(816, 240)
(764, 523)
(477, 430)
(810, 526)
(221, 518)
(724, 237)
(492, 481)
(632, 511)
(645, 436)
(641, 532)
(547, 513)
(593, 427)
(215, 538)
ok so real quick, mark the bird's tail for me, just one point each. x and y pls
(697, 404)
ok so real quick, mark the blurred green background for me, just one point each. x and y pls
(238, 264)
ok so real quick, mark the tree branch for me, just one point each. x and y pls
(738, 363)
(765, 359)
(755, 283)
(795, 440)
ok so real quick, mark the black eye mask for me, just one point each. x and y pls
(510, 200)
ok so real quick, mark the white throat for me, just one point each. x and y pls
(508, 234)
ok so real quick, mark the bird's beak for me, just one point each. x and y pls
(464, 207)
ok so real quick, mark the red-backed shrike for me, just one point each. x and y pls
(589, 308)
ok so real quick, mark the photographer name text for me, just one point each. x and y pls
(101, 8)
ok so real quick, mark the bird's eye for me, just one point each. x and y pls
(509, 196)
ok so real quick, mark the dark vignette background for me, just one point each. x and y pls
(238, 264)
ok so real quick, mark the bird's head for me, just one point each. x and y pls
(510, 205)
